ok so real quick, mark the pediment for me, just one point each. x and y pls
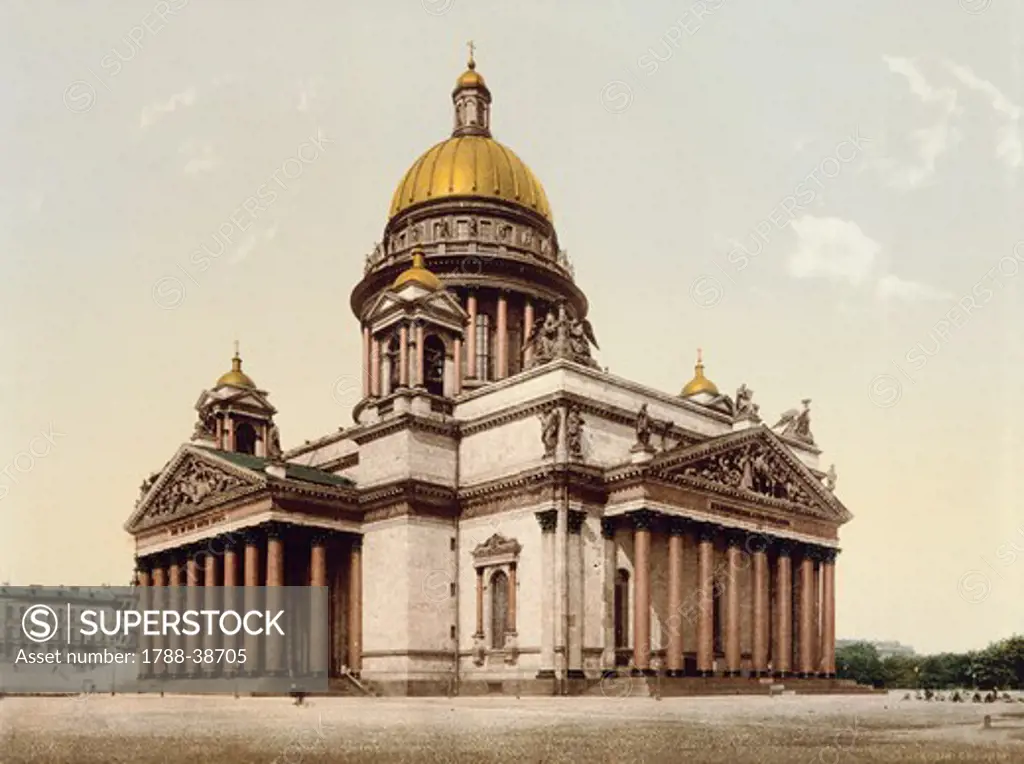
(193, 481)
(252, 399)
(756, 465)
(442, 305)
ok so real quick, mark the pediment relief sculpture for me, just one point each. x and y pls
(754, 468)
(193, 483)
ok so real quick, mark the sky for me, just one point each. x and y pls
(825, 197)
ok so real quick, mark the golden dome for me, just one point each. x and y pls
(470, 165)
(417, 273)
(699, 383)
(470, 78)
(236, 377)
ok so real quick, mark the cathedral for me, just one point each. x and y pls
(504, 515)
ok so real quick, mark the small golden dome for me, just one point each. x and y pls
(699, 383)
(470, 78)
(236, 377)
(417, 273)
(472, 166)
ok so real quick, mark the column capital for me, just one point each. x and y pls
(784, 548)
(319, 537)
(734, 536)
(252, 536)
(679, 526)
(576, 519)
(608, 527)
(643, 519)
(829, 555)
(274, 530)
(548, 520)
(356, 542)
(757, 543)
(708, 531)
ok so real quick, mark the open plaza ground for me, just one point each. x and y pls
(735, 730)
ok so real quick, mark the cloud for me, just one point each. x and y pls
(890, 287)
(831, 248)
(200, 159)
(931, 142)
(152, 113)
(838, 250)
(1009, 148)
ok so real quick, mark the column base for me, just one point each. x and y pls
(546, 674)
(673, 673)
(733, 673)
(643, 672)
(705, 673)
(782, 674)
(609, 673)
(576, 674)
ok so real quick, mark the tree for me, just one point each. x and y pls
(859, 662)
(900, 671)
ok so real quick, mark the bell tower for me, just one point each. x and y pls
(236, 416)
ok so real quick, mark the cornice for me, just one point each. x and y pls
(405, 421)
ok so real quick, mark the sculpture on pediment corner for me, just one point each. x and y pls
(497, 545)
(560, 335)
(666, 431)
(146, 485)
(796, 424)
(831, 477)
(745, 407)
(206, 426)
(574, 433)
(274, 451)
(551, 422)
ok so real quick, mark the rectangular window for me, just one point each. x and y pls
(483, 346)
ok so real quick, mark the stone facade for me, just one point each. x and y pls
(503, 513)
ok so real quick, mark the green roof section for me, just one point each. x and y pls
(298, 472)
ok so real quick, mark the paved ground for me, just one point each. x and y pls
(783, 730)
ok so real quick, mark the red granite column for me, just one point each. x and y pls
(367, 384)
(674, 622)
(159, 602)
(355, 606)
(403, 356)
(211, 640)
(502, 335)
(275, 580)
(706, 601)
(471, 337)
(174, 602)
(756, 546)
(231, 599)
(253, 661)
(732, 606)
(527, 326)
(806, 646)
(375, 368)
(145, 602)
(319, 659)
(783, 612)
(828, 619)
(642, 590)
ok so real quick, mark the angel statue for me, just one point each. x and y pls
(745, 406)
(831, 477)
(274, 443)
(581, 337)
(796, 424)
(643, 427)
(541, 338)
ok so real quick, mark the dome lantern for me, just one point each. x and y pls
(472, 101)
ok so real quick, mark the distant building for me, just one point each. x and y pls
(885, 648)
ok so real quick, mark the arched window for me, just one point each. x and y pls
(245, 438)
(621, 608)
(499, 609)
(433, 363)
